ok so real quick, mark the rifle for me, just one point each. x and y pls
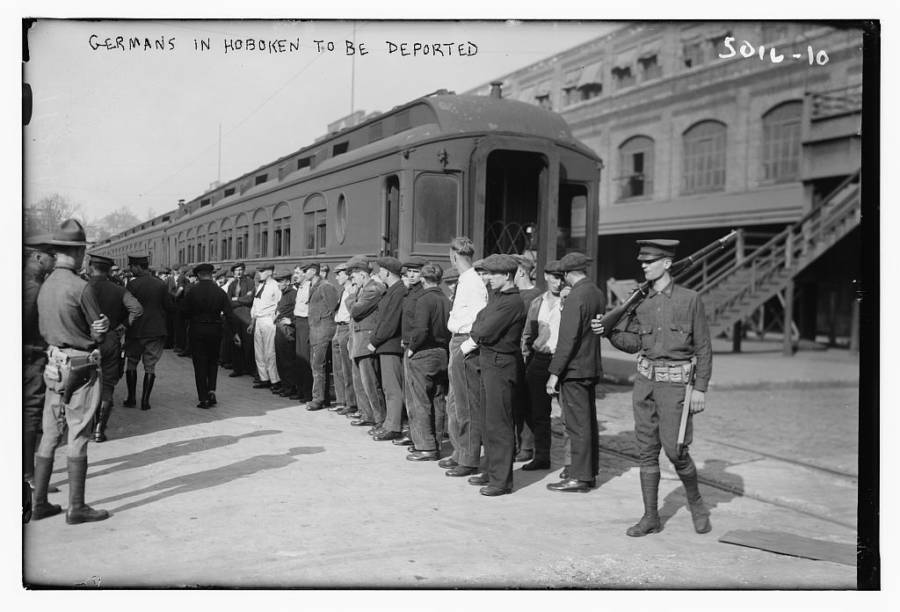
(678, 268)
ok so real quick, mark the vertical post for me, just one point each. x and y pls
(787, 348)
(739, 247)
(854, 326)
(789, 250)
(832, 317)
(737, 333)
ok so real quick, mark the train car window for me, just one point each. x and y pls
(261, 178)
(435, 211)
(571, 219)
(340, 148)
(401, 121)
(229, 192)
(314, 225)
(205, 202)
(340, 230)
(376, 131)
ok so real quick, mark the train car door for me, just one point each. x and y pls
(390, 235)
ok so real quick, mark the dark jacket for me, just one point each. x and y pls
(205, 304)
(240, 295)
(386, 335)
(365, 306)
(498, 326)
(31, 332)
(407, 321)
(578, 348)
(156, 302)
(116, 302)
(429, 327)
(324, 299)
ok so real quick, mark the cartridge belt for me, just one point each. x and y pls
(661, 370)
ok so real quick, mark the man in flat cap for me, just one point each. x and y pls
(324, 299)
(263, 311)
(240, 294)
(71, 323)
(497, 333)
(145, 339)
(670, 331)
(340, 347)
(204, 307)
(522, 404)
(285, 348)
(369, 395)
(575, 370)
(303, 279)
(385, 343)
(122, 309)
(412, 279)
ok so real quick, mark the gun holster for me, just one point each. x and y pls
(66, 374)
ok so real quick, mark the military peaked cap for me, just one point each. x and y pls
(101, 259)
(573, 262)
(139, 259)
(656, 249)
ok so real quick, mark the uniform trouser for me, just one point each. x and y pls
(147, 350)
(464, 419)
(226, 345)
(206, 339)
(657, 418)
(499, 379)
(180, 328)
(170, 330)
(76, 416)
(264, 349)
(370, 381)
(536, 375)
(426, 380)
(342, 364)
(320, 336)
(522, 413)
(286, 357)
(577, 397)
(242, 360)
(391, 367)
(32, 406)
(111, 364)
(301, 340)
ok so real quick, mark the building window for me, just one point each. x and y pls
(261, 178)
(636, 168)
(623, 77)
(704, 158)
(339, 149)
(435, 211)
(281, 230)
(781, 142)
(544, 101)
(212, 247)
(229, 192)
(376, 131)
(650, 68)
(692, 53)
(261, 238)
(304, 162)
(205, 202)
(242, 240)
(314, 225)
(717, 44)
(340, 229)
(571, 219)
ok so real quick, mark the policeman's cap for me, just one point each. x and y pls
(103, 260)
(139, 259)
(574, 262)
(204, 268)
(499, 264)
(652, 250)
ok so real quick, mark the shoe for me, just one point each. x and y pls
(375, 430)
(478, 480)
(645, 526)
(492, 491)
(571, 485)
(460, 470)
(536, 465)
(345, 410)
(354, 415)
(212, 398)
(203, 404)
(564, 475)
(263, 384)
(146, 389)
(131, 384)
(412, 449)
(235, 374)
(447, 463)
(335, 407)
(315, 405)
(525, 455)
(361, 423)
(276, 388)
(80, 512)
(387, 435)
(403, 441)
(422, 456)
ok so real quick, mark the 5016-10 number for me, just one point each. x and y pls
(748, 50)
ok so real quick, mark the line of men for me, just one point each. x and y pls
(480, 360)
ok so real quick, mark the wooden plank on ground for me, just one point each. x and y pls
(794, 545)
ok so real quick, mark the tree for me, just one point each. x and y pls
(113, 223)
(45, 215)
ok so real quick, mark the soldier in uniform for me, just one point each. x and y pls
(122, 309)
(496, 333)
(145, 339)
(575, 370)
(70, 321)
(668, 328)
(203, 308)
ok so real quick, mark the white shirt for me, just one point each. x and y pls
(548, 323)
(301, 304)
(266, 305)
(343, 313)
(471, 296)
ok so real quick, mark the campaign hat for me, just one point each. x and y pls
(38, 241)
(499, 264)
(69, 233)
(391, 264)
(657, 248)
(575, 261)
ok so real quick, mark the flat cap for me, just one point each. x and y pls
(574, 261)
(341, 267)
(451, 275)
(499, 264)
(414, 263)
(525, 262)
(391, 264)
(552, 267)
(101, 259)
(239, 264)
(310, 264)
(139, 259)
(656, 249)
(358, 262)
(285, 274)
(204, 268)
(478, 265)
(266, 266)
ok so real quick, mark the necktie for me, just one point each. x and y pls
(260, 292)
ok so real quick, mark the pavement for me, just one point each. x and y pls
(259, 492)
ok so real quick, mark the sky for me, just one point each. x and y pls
(140, 128)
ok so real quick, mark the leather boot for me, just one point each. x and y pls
(80, 512)
(100, 421)
(131, 384)
(699, 512)
(146, 388)
(40, 507)
(649, 523)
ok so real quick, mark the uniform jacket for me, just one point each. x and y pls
(116, 302)
(205, 305)
(578, 348)
(498, 326)
(31, 332)
(66, 308)
(386, 335)
(156, 302)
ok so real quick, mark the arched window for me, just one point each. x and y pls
(201, 244)
(635, 167)
(781, 142)
(226, 239)
(242, 237)
(704, 158)
(212, 240)
(260, 233)
(281, 230)
(189, 238)
(314, 224)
